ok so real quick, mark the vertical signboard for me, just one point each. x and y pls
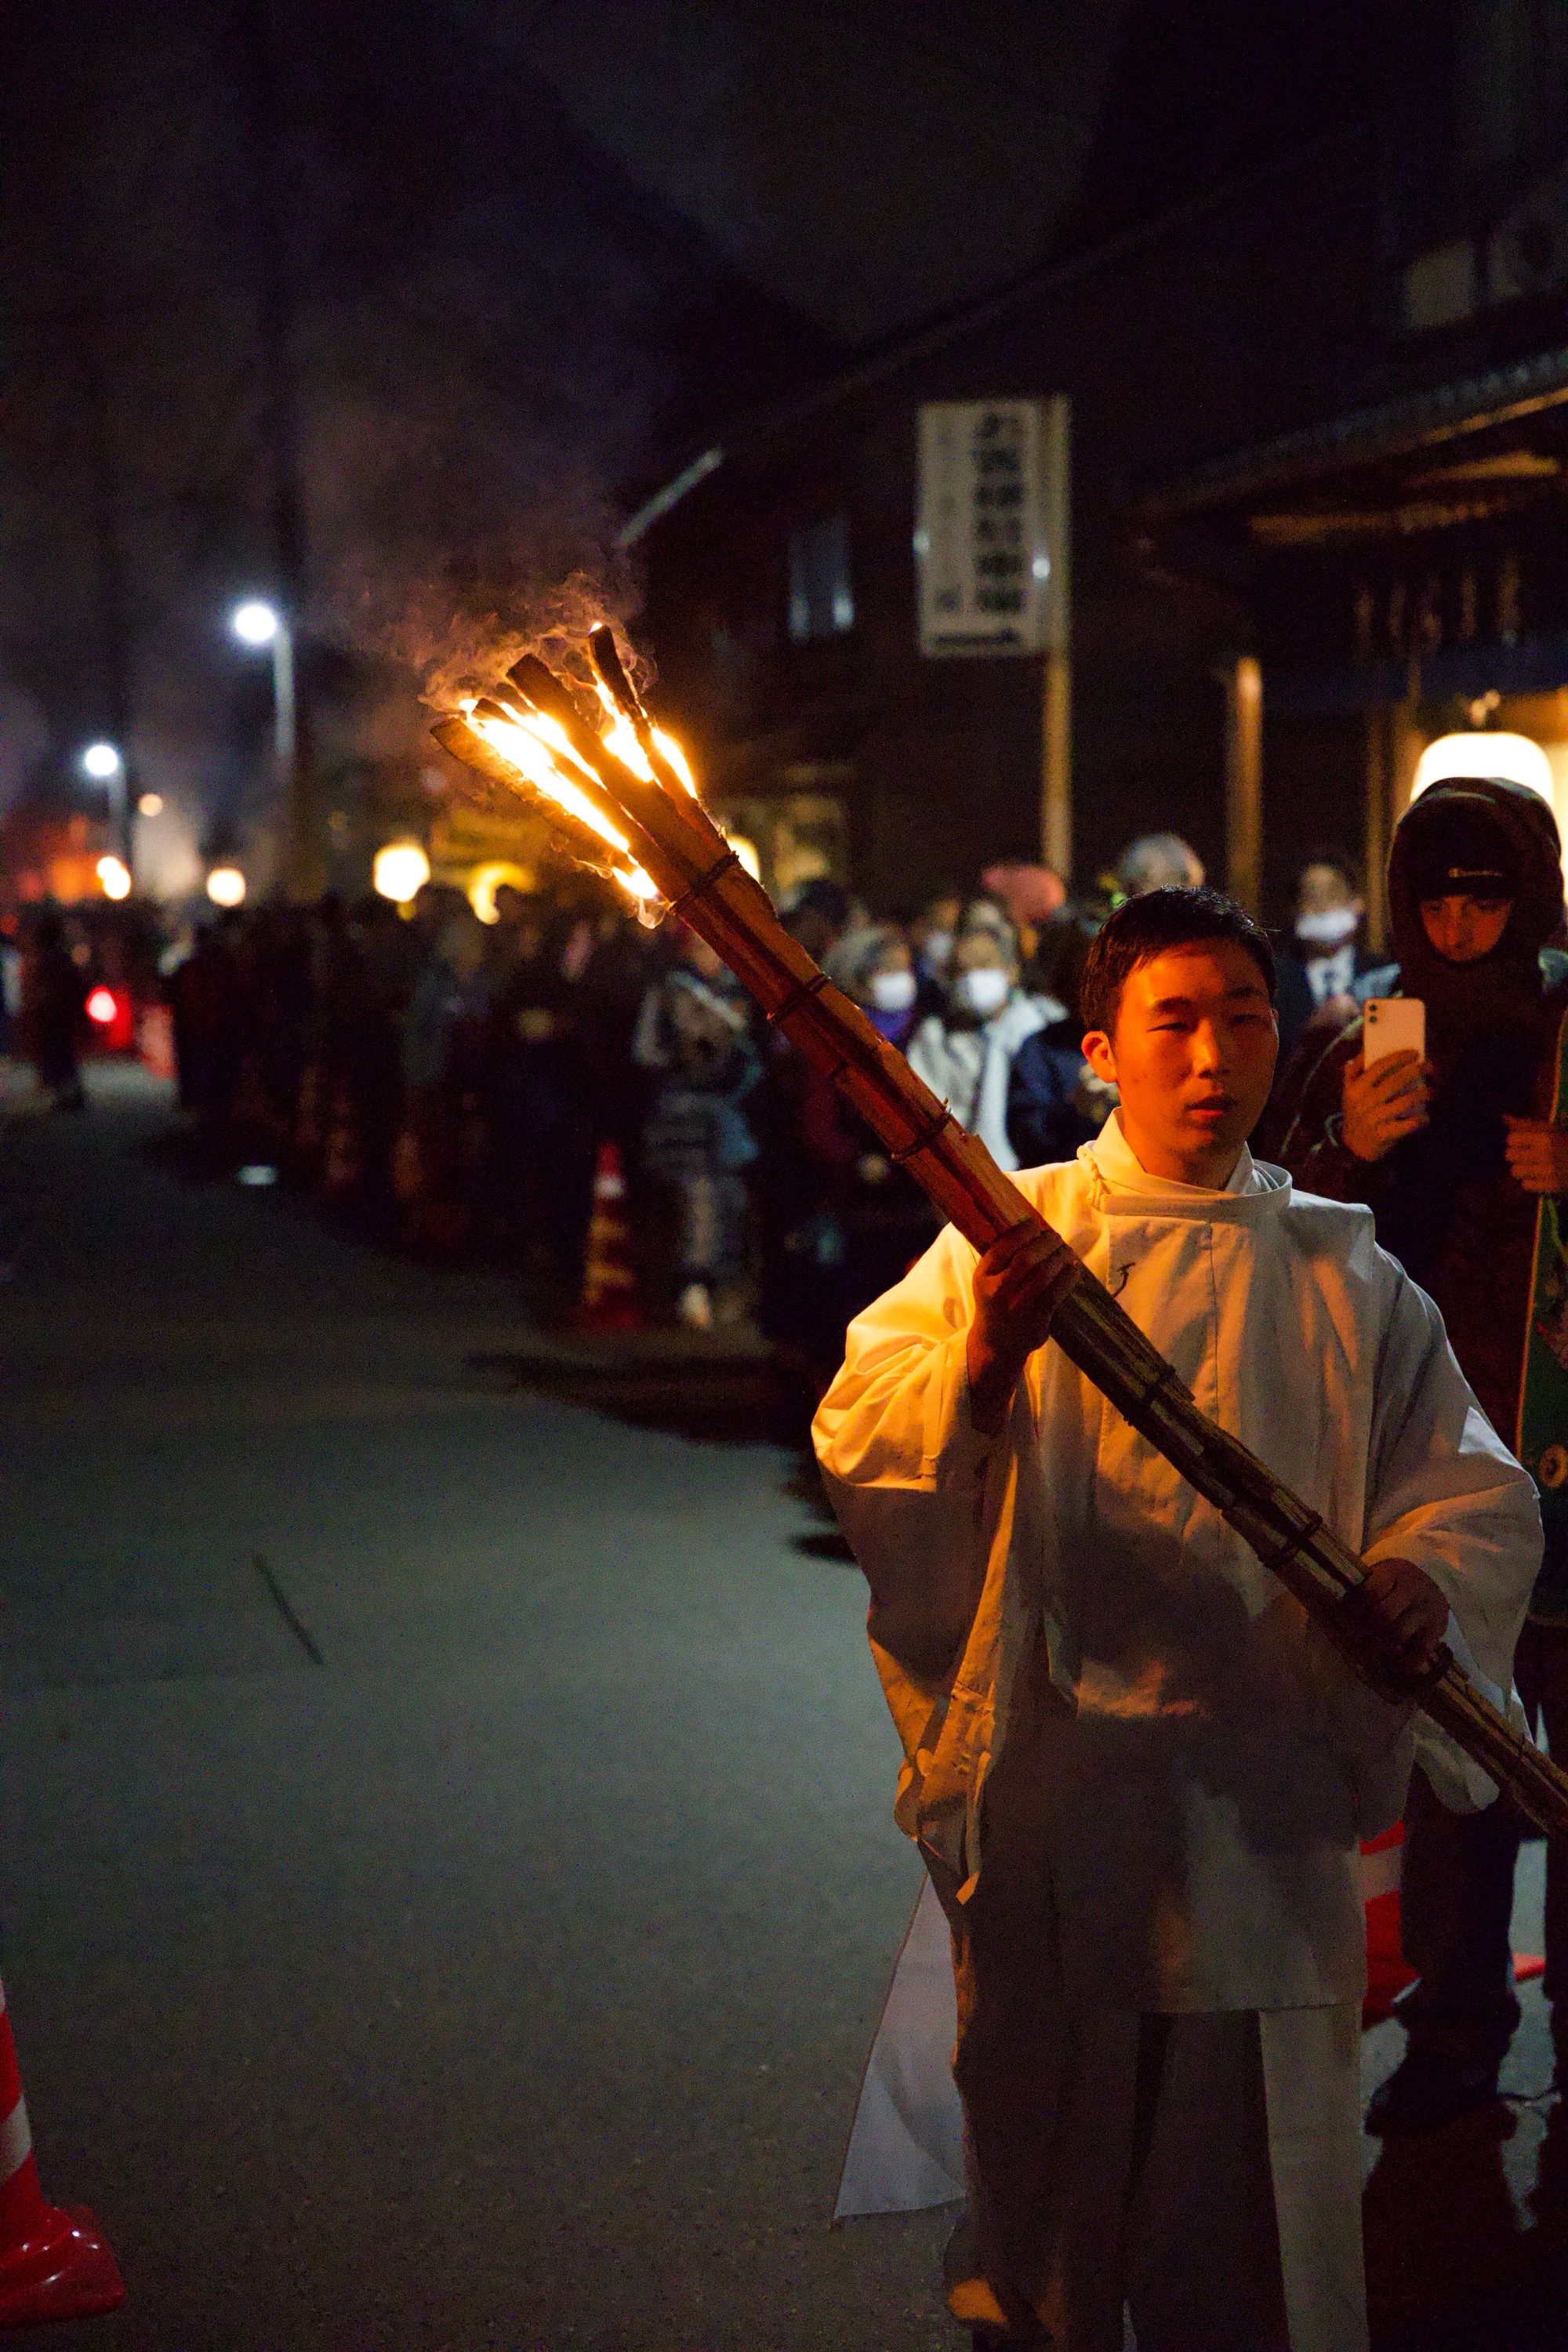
(992, 554)
(989, 535)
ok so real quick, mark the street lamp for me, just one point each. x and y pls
(400, 871)
(105, 763)
(259, 625)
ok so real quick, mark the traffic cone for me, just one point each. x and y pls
(53, 2264)
(1387, 1969)
(609, 1301)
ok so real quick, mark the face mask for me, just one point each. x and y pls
(936, 950)
(1330, 929)
(892, 991)
(983, 991)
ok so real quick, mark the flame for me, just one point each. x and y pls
(620, 737)
(539, 747)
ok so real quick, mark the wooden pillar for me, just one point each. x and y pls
(1378, 814)
(1056, 668)
(1244, 783)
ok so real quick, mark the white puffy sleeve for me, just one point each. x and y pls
(1443, 1491)
(908, 1475)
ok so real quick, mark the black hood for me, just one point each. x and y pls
(1488, 1023)
(1528, 849)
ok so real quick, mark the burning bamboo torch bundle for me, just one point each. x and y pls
(617, 791)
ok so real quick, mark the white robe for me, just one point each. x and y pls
(1191, 1766)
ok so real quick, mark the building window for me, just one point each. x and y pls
(821, 594)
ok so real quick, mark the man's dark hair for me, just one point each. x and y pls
(1141, 929)
(1339, 861)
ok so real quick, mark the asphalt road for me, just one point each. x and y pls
(447, 1879)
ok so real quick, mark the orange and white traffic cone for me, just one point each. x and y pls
(1387, 1969)
(609, 1301)
(53, 2264)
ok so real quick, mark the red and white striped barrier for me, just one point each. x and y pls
(53, 2264)
(1387, 1969)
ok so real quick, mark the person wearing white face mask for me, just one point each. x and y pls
(965, 1052)
(1319, 970)
(931, 936)
(873, 965)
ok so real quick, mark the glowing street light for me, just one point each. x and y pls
(260, 625)
(105, 763)
(256, 623)
(113, 878)
(150, 805)
(400, 871)
(226, 887)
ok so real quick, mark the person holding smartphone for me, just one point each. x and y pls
(1453, 1149)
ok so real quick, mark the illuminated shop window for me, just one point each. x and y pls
(821, 594)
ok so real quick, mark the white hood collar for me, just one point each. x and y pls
(1120, 1176)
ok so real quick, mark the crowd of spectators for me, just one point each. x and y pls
(450, 1084)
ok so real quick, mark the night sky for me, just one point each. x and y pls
(524, 257)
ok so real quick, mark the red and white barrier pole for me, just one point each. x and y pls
(53, 2264)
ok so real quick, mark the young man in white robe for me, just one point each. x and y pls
(1138, 1774)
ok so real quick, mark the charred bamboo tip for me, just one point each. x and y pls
(537, 682)
(607, 661)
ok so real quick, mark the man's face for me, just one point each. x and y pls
(1464, 929)
(1193, 1052)
(1323, 890)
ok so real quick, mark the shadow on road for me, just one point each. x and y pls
(712, 1397)
(1458, 2259)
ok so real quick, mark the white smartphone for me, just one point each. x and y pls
(1393, 1024)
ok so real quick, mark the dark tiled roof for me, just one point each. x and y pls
(1412, 421)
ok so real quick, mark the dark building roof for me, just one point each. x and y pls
(1390, 429)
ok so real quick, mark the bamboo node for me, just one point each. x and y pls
(705, 882)
(925, 1138)
(800, 993)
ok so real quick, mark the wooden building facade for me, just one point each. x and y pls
(1317, 516)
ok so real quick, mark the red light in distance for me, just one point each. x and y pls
(100, 1007)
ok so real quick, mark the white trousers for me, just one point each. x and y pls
(1203, 2170)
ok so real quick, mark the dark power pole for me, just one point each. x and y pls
(304, 865)
(114, 605)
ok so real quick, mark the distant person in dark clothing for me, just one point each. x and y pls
(1055, 1102)
(542, 1153)
(53, 996)
(615, 980)
(1326, 954)
(693, 1037)
(818, 913)
(1456, 1156)
(203, 1006)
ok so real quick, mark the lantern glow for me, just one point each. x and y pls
(400, 871)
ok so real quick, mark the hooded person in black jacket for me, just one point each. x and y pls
(1453, 1155)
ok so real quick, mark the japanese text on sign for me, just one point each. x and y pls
(987, 527)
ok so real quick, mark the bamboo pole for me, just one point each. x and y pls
(678, 844)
